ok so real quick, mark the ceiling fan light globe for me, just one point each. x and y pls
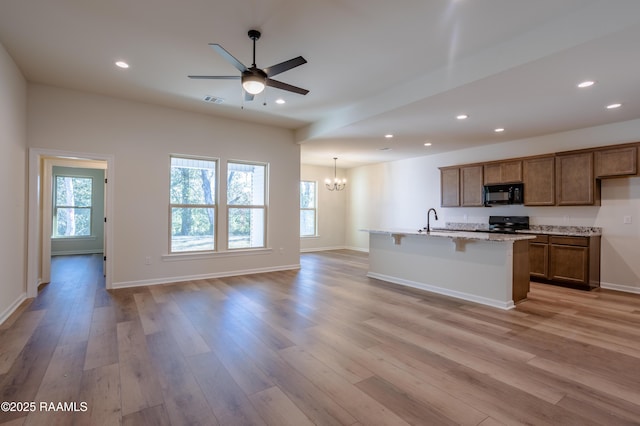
(253, 84)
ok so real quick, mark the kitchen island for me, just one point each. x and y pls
(491, 269)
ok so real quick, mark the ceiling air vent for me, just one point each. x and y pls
(213, 99)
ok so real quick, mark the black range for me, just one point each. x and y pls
(508, 224)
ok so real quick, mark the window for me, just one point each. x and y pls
(72, 207)
(193, 204)
(308, 208)
(246, 205)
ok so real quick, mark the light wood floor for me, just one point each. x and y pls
(323, 345)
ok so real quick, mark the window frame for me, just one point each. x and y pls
(314, 208)
(263, 206)
(55, 207)
(215, 206)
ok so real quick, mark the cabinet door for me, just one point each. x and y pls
(616, 162)
(471, 186)
(575, 180)
(539, 260)
(569, 264)
(539, 181)
(450, 187)
(492, 174)
(511, 171)
(504, 172)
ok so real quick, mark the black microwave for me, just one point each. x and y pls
(503, 194)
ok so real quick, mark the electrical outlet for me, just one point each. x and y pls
(147, 260)
(627, 220)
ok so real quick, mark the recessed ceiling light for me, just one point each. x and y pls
(462, 117)
(614, 106)
(427, 144)
(388, 136)
(499, 130)
(586, 83)
(122, 64)
(280, 101)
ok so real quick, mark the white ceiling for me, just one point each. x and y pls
(406, 67)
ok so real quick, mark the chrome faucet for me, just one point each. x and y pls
(435, 215)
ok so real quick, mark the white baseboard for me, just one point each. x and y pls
(620, 287)
(446, 292)
(12, 308)
(313, 249)
(73, 252)
(171, 280)
(361, 249)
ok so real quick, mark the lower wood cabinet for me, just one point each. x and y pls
(568, 260)
(539, 257)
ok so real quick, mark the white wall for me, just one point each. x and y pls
(13, 172)
(398, 195)
(141, 137)
(331, 210)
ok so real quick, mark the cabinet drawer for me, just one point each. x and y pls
(570, 241)
(542, 239)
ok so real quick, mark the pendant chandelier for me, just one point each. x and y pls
(337, 184)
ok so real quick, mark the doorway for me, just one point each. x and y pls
(41, 210)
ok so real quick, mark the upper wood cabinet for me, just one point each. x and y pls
(450, 187)
(471, 183)
(616, 162)
(503, 172)
(539, 181)
(575, 181)
(560, 179)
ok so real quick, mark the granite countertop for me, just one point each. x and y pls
(573, 231)
(452, 234)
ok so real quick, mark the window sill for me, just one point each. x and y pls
(176, 257)
(310, 237)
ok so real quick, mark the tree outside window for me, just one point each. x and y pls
(308, 206)
(193, 204)
(72, 207)
(246, 205)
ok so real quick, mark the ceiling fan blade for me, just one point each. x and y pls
(248, 96)
(284, 86)
(228, 57)
(284, 66)
(215, 77)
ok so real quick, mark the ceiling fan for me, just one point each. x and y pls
(253, 78)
